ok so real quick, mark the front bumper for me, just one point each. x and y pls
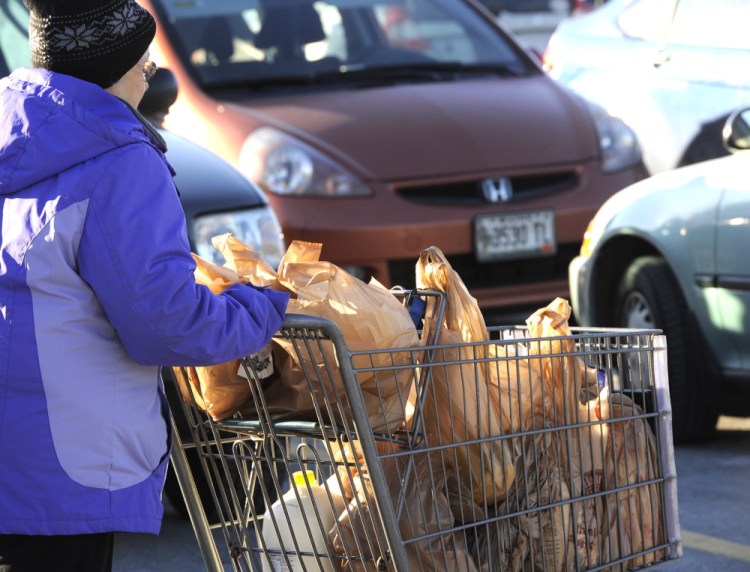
(579, 280)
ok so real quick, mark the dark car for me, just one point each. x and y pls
(381, 128)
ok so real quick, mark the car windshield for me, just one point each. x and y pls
(14, 37)
(274, 42)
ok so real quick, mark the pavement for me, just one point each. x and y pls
(713, 498)
(174, 550)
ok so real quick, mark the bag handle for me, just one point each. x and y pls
(432, 269)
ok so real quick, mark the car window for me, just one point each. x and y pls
(648, 20)
(228, 41)
(14, 41)
(717, 24)
(425, 28)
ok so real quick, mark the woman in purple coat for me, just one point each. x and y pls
(96, 292)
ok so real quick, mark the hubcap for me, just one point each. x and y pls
(636, 312)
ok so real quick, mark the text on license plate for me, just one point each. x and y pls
(515, 235)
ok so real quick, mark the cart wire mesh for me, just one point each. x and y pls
(514, 454)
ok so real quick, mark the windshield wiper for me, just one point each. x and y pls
(417, 71)
(431, 70)
(262, 82)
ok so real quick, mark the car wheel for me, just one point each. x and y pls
(649, 297)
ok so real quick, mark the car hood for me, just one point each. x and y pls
(439, 129)
(672, 202)
(206, 182)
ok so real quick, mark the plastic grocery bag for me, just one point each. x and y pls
(217, 389)
(368, 315)
(588, 461)
(538, 383)
(599, 453)
(570, 384)
(428, 509)
(515, 387)
(540, 539)
(632, 515)
(457, 406)
(221, 389)
(556, 359)
(370, 318)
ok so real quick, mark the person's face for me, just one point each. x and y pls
(132, 86)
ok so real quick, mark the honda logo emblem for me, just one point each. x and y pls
(497, 190)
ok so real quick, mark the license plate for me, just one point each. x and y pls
(517, 235)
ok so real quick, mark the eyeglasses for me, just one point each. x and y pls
(149, 70)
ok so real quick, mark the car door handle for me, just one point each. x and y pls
(661, 57)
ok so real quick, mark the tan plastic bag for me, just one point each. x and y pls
(515, 388)
(555, 359)
(248, 264)
(458, 407)
(568, 381)
(633, 515)
(219, 389)
(427, 510)
(598, 456)
(588, 460)
(369, 316)
(535, 540)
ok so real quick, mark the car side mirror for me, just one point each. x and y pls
(160, 95)
(736, 134)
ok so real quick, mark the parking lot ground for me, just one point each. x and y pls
(714, 500)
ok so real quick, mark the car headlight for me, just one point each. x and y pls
(590, 238)
(258, 228)
(617, 141)
(283, 165)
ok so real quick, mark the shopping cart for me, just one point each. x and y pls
(514, 454)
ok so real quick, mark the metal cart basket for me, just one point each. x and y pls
(515, 454)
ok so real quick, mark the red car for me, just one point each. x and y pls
(381, 128)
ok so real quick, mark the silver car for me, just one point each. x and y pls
(673, 252)
(673, 70)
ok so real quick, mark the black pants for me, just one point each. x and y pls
(77, 553)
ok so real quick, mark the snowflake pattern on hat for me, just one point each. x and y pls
(99, 44)
(94, 32)
(72, 38)
(124, 20)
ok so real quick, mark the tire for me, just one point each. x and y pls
(649, 297)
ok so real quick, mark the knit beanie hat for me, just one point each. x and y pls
(94, 40)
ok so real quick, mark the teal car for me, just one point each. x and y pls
(673, 252)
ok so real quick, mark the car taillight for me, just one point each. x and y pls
(579, 6)
(548, 56)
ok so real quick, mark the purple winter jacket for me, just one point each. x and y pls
(96, 291)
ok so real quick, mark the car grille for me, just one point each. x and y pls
(493, 274)
(466, 193)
